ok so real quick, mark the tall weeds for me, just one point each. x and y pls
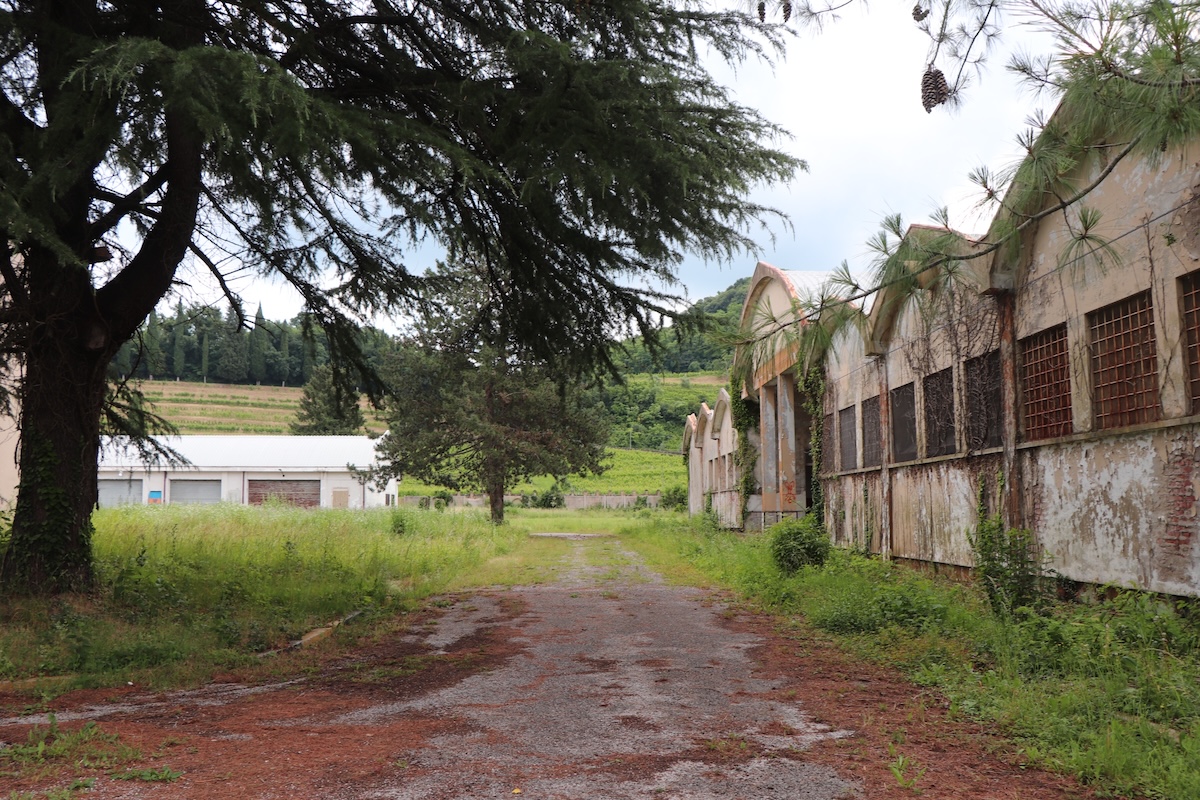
(190, 589)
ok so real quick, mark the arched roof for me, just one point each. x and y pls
(689, 432)
(721, 412)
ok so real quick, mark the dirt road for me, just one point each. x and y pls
(605, 684)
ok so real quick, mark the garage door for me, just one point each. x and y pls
(298, 493)
(195, 491)
(119, 492)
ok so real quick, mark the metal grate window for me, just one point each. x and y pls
(1189, 290)
(872, 440)
(1124, 363)
(847, 444)
(904, 422)
(828, 445)
(938, 391)
(1046, 384)
(983, 401)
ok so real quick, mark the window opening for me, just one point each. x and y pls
(847, 448)
(1046, 384)
(1189, 291)
(871, 433)
(938, 391)
(1124, 363)
(904, 422)
(983, 402)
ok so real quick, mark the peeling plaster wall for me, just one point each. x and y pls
(1119, 510)
(854, 511)
(934, 507)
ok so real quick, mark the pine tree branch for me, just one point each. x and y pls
(121, 205)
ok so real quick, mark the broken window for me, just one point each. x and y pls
(938, 392)
(904, 422)
(1189, 291)
(1124, 363)
(871, 434)
(983, 401)
(847, 448)
(1046, 384)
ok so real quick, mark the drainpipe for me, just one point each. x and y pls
(885, 451)
(1010, 501)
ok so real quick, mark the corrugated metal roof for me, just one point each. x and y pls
(254, 452)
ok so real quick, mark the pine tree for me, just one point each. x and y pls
(260, 340)
(327, 408)
(204, 357)
(233, 351)
(154, 354)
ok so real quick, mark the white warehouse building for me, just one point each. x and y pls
(307, 471)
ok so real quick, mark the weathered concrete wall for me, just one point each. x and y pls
(854, 510)
(1121, 509)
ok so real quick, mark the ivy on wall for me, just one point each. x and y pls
(812, 393)
(744, 414)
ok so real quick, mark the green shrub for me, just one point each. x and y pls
(797, 543)
(674, 498)
(1007, 564)
(551, 498)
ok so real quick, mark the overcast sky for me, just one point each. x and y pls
(850, 95)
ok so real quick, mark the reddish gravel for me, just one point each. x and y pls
(589, 688)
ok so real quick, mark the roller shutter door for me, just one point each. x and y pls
(119, 492)
(195, 491)
(306, 494)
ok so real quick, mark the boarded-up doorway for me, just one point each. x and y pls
(341, 498)
(306, 494)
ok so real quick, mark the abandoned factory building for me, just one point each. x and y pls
(1055, 380)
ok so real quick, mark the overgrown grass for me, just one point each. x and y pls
(188, 590)
(1107, 690)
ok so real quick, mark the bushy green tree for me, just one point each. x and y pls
(327, 408)
(469, 407)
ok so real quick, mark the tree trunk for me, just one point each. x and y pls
(495, 493)
(61, 395)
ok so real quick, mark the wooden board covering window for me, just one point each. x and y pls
(306, 494)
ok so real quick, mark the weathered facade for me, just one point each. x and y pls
(1057, 383)
(710, 445)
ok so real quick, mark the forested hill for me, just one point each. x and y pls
(698, 352)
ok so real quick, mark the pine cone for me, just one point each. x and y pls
(919, 13)
(787, 10)
(762, 11)
(934, 89)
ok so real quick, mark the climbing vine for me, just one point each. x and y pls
(812, 390)
(744, 414)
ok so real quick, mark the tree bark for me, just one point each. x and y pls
(61, 396)
(495, 493)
